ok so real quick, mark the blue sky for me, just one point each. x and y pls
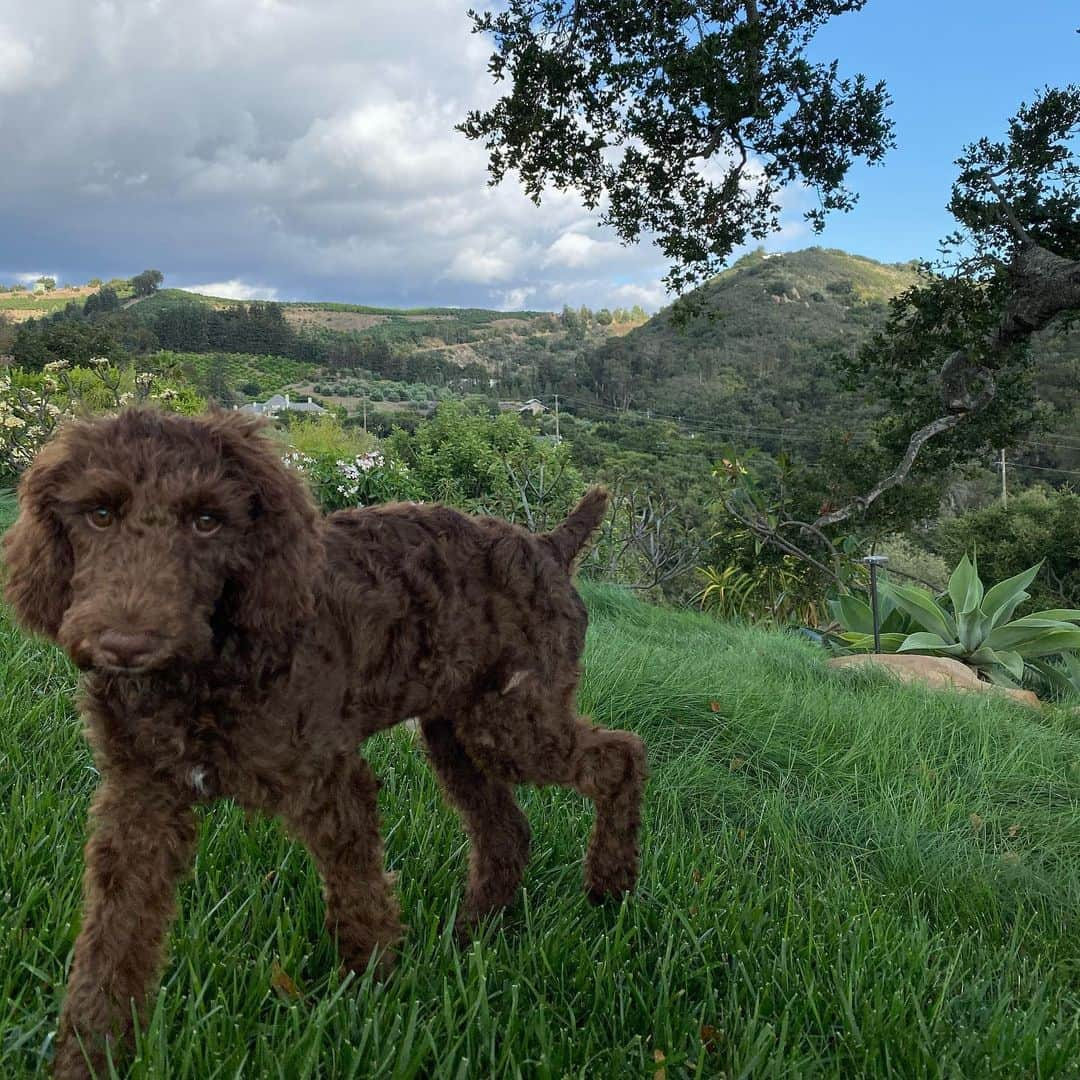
(957, 71)
(305, 148)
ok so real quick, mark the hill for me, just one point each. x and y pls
(757, 350)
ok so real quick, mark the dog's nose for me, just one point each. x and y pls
(124, 649)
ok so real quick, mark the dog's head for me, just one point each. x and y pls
(143, 538)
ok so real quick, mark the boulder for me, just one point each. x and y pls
(939, 672)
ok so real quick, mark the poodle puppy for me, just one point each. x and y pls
(235, 643)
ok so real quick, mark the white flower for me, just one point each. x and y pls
(14, 422)
(52, 410)
(144, 379)
(98, 361)
(126, 398)
(56, 365)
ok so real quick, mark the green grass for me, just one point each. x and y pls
(816, 893)
(35, 302)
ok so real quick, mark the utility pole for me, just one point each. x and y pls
(557, 439)
(1004, 487)
(365, 414)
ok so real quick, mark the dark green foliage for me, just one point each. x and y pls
(245, 328)
(625, 103)
(40, 341)
(1039, 523)
(101, 302)
(900, 365)
(147, 283)
(1035, 171)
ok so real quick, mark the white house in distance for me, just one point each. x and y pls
(281, 403)
(533, 407)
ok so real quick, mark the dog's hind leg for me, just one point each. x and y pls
(338, 821)
(141, 841)
(528, 735)
(498, 830)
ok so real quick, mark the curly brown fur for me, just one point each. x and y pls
(236, 643)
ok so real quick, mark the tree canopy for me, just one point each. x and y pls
(147, 283)
(682, 120)
(955, 356)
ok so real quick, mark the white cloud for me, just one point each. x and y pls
(571, 249)
(16, 62)
(515, 299)
(233, 290)
(478, 266)
(310, 146)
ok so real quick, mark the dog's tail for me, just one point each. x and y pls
(569, 537)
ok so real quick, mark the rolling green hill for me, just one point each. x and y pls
(758, 350)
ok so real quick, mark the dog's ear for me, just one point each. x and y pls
(284, 554)
(37, 554)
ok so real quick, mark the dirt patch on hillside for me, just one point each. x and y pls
(462, 355)
(333, 320)
(18, 315)
(619, 329)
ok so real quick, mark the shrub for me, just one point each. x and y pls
(1042, 522)
(489, 464)
(33, 404)
(324, 436)
(342, 482)
(908, 560)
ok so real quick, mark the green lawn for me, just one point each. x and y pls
(841, 878)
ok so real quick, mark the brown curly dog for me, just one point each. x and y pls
(235, 643)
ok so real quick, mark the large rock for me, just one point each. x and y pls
(936, 671)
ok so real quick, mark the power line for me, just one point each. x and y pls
(1043, 468)
(789, 434)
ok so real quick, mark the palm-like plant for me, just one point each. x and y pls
(970, 623)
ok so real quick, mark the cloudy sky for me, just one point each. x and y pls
(266, 148)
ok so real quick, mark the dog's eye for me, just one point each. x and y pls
(101, 517)
(205, 524)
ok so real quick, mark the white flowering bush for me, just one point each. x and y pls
(360, 480)
(29, 414)
(33, 404)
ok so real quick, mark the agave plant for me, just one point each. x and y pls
(969, 623)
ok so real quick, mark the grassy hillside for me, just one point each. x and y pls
(758, 348)
(840, 878)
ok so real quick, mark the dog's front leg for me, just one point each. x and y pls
(141, 840)
(338, 821)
